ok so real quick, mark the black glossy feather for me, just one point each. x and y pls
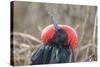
(56, 51)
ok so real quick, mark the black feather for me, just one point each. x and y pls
(56, 51)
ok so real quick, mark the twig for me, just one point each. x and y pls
(87, 52)
(39, 28)
(84, 25)
(94, 31)
(27, 36)
(83, 48)
(76, 54)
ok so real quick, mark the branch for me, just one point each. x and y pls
(27, 36)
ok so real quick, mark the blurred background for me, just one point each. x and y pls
(30, 18)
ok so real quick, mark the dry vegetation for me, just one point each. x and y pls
(31, 18)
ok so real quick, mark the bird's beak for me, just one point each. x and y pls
(54, 21)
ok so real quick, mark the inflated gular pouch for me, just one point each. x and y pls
(56, 51)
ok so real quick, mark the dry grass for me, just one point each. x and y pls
(31, 18)
(23, 50)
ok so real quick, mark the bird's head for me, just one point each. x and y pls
(59, 34)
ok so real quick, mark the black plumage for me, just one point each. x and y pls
(56, 51)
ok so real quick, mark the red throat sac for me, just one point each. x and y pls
(49, 31)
